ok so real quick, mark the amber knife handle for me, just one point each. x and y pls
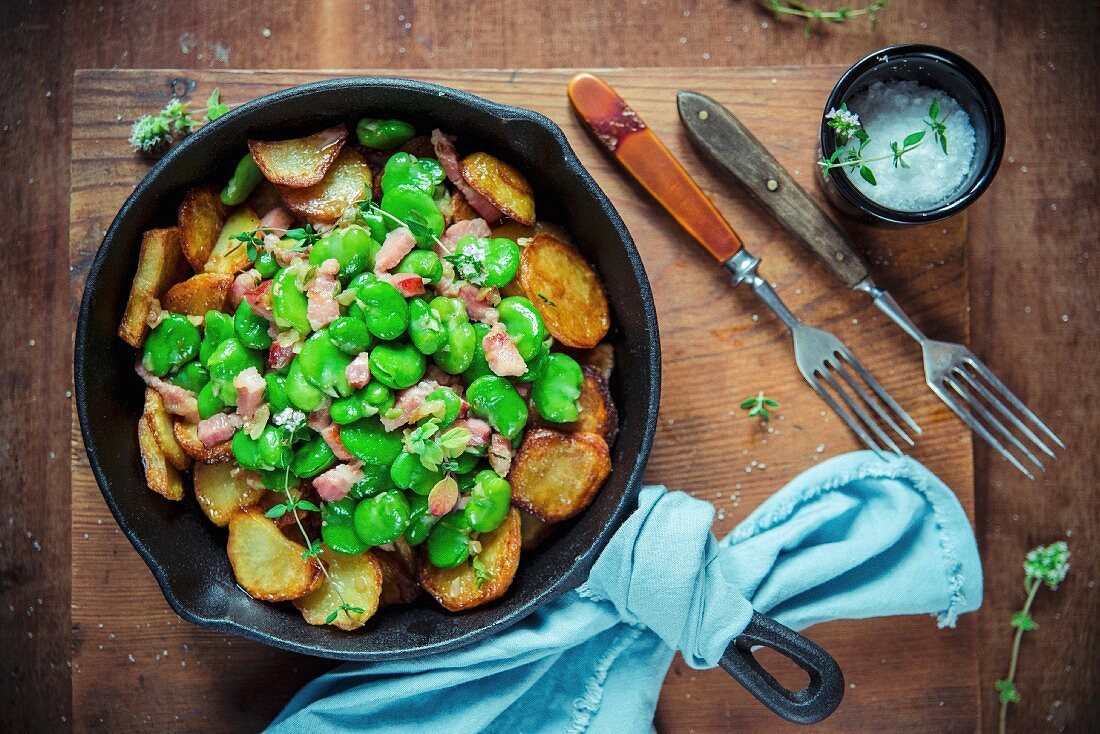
(729, 144)
(646, 158)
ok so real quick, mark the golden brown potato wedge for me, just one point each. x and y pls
(187, 435)
(557, 475)
(598, 414)
(347, 181)
(398, 585)
(299, 162)
(201, 217)
(161, 476)
(502, 185)
(513, 230)
(458, 588)
(160, 423)
(266, 564)
(532, 530)
(230, 256)
(222, 489)
(198, 294)
(565, 290)
(356, 580)
(160, 264)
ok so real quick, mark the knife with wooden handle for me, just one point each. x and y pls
(715, 131)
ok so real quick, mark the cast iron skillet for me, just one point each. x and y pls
(187, 554)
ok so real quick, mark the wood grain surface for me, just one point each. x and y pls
(1032, 271)
(719, 345)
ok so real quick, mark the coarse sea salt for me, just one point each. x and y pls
(889, 111)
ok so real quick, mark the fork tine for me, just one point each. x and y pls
(881, 392)
(1003, 409)
(977, 427)
(854, 407)
(852, 423)
(992, 420)
(873, 404)
(992, 379)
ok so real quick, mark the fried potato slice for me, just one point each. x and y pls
(355, 579)
(160, 264)
(160, 423)
(230, 256)
(398, 585)
(502, 185)
(198, 294)
(201, 218)
(461, 209)
(600, 358)
(347, 181)
(187, 435)
(299, 162)
(458, 588)
(266, 563)
(565, 290)
(222, 489)
(532, 530)
(513, 230)
(557, 475)
(598, 414)
(161, 476)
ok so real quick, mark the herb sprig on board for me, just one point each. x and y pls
(815, 17)
(152, 135)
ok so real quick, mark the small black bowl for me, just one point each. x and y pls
(184, 551)
(939, 69)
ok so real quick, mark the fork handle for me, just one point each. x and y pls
(730, 145)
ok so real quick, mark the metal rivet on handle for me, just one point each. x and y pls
(772, 184)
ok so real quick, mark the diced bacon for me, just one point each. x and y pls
(278, 219)
(407, 284)
(334, 484)
(218, 428)
(399, 242)
(242, 284)
(448, 159)
(434, 374)
(331, 434)
(408, 401)
(500, 454)
(478, 306)
(501, 353)
(259, 298)
(479, 430)
(458, 230)
(177, 400)
(250, 387)
(279, 356)
(524, 389)
(319, 419)
(358, 372)
(321, 294)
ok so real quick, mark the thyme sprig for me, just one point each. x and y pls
(758, 405)
(152, 135)
(816, 17)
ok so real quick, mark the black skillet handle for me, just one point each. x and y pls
(808, 706)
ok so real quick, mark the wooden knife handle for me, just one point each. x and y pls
(645, 157)
(730, 145)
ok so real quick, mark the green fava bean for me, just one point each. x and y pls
(416, 174)
(246, 450)
(556, 395)
(425, 327)
(397, 365)
(250, 327)
(494, 399)
(278, 480)
(217, 328)
(209, 402)
(312, 457)
(301, 394)
(266, 265)
(421, 521)
(351, 336)
(464, 464)
(323, 364)
(384, 309)
(536, 366)
(375, 224)
(452, 405)
(352, 247)
(276, 392)
(191, 377)
(409, 204)
(424, 263)
(382, 518)
(230, 359)
(371, 400)
(383, 134)
(174, 342)
(338, 527)
(368, 441)
(486, 261)
(523, 324)
(244, 181)
(376, 480)
(378, 396)
(407, 472)
(489, 501)
(478, 365)
(275, 451)
(449, 541)
(288, 303)
(458, 354)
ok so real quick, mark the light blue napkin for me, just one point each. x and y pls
(857, 536)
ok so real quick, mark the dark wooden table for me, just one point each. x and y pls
(1033, 274)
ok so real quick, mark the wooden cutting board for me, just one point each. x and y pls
(136, 663)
